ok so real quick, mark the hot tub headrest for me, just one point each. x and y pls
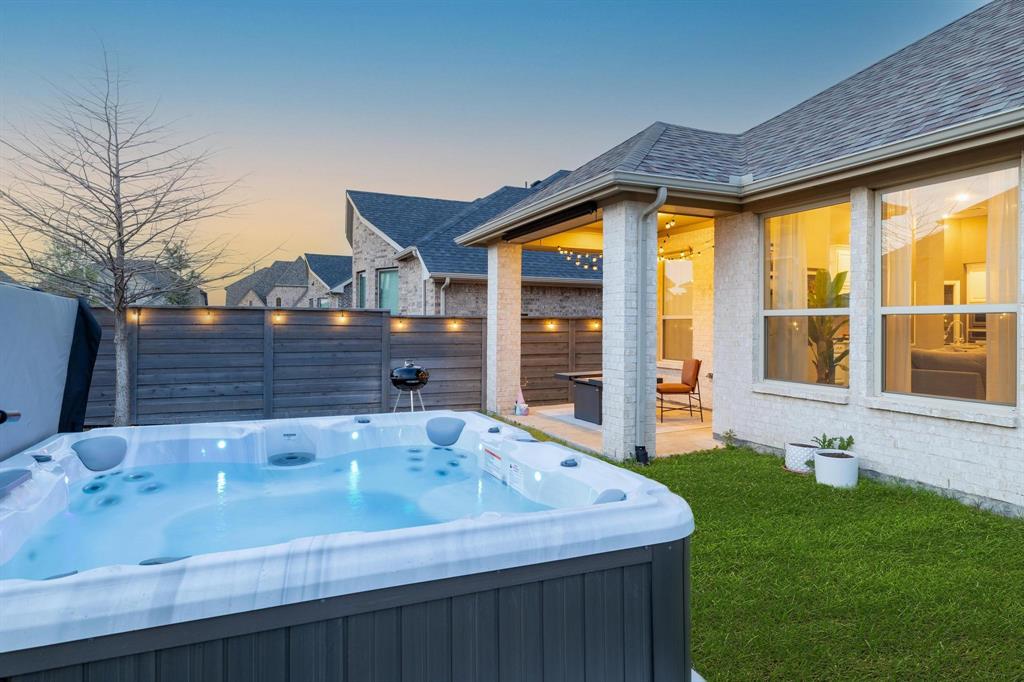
(444, 431)
(102, 452)
(11, 479)
(610, 495)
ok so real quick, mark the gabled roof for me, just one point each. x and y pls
(332, 270)
(4, 277)
(281, 273)
(971, 69)
(403, 218)
(442, 255)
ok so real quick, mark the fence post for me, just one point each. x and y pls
(483, 364)
(385, 359)
(572, 357)
(268, 363)
(133, 365)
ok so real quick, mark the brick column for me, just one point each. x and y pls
(504, 307)
(862, 276)
(738, 329)
(629, 379)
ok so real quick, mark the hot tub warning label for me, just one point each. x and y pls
(515, 477)
(494, 464)
(505, 470)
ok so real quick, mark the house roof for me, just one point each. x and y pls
(441, 254)
(4, 277)
(968, 70)
(404, 218)
(163, 278)
(332, 270)
(280, 273)
(435, 242)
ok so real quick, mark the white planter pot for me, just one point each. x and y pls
(797, 456)
(837, 468)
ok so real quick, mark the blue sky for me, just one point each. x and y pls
(440, 99)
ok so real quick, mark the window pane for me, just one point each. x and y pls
(964, 356)
(361, 289)
(807, 259)
(677, 287)
(954, 240)
(387, 290)
(677, 339)
(813, 350)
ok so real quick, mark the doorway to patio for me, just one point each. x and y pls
(684, 308)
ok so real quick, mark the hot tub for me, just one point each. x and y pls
(429, 546)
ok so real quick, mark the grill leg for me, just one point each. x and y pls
(412, 405)
(397, 398)
(419, 394)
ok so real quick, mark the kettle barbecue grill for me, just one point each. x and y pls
(409, 379)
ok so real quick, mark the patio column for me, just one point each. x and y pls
(504, 307)
(629, 331)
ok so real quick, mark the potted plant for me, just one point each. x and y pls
(798, 455)
(834, 464)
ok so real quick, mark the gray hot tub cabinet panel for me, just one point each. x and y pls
(616, 616)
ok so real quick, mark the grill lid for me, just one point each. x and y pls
(409, 377)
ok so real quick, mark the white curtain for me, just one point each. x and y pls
(789, 354)
(898, 235)
(1001, 287)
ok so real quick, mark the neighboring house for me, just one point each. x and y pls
(865, 274)
(312, 280)
(404, 258)
(7, 279)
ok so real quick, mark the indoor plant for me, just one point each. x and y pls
(834, 464)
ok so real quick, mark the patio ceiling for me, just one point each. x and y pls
(588, 237)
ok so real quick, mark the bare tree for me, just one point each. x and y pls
(101, 197)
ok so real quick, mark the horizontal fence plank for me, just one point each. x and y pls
(207, 364)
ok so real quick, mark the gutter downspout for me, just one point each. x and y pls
(444, 302)
(640, 453)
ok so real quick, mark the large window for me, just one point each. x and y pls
(806, 296)
(360, 289)
(676, 310)
(949, 287)
(387, 290)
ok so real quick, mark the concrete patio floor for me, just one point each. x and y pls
(679, 433)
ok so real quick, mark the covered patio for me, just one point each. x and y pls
(655, 251)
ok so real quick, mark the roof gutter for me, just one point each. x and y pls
(598, 187)
(642, 389)
(996, 128)
(555, 281)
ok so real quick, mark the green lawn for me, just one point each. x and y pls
(796, 581)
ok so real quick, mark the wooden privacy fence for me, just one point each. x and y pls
(222, 364)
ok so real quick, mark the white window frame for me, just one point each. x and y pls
(879, 311)
(764, 312)
(664, 362)
(376, 274)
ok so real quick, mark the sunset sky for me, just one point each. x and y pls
(453, 100)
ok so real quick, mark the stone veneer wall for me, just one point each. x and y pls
(470, 298)
(370, 253)
(964, 449)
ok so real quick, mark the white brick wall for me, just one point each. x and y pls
(627, 377)
(504, 303)
(963, 454)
